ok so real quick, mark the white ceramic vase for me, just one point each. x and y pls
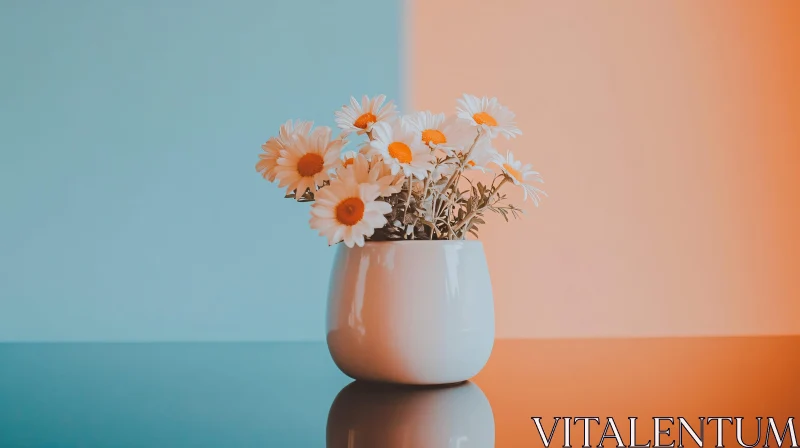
(411, 312)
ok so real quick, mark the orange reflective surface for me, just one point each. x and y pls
(645, 378)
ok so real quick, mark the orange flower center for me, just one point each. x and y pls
(350, 211)
(310, 164)
(365, 119)
(484, 118)
(349, 161)
(400, 151)
(433, 136)
(514, 173)
(471, 163)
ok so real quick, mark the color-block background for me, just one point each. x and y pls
(668, 134)
(669, 137)
(131, 208)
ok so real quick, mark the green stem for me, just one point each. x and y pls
(456, 174)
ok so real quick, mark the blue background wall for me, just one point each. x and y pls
(130, 208)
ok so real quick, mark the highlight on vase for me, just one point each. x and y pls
(420, 176)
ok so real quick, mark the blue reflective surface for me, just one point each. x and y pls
(221, 394)
(166, 395)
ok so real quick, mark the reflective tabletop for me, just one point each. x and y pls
(292, 395)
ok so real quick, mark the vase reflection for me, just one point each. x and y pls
(390, 416)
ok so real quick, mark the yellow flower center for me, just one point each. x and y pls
(400, 151)
(484, 118)
(310, 164)
(512, 172)
(349, 161)
(433, 136)
(350, 211)
(364, 120)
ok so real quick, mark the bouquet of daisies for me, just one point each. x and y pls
(415, 176)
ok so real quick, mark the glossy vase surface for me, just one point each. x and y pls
(371, 415)
(411, 312)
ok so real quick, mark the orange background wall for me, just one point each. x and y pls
(668, 134)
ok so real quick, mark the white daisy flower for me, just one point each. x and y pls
(306, 161)
(364, 171)
(489, 115)
(371, 171)
(440, 133)
(521, 176)
(389, 183)
(347, 159)
(268, 160)
(479, 159)
(360, 118)
(402, 149)
(272, 148)
(348, 211)
(482, 155)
